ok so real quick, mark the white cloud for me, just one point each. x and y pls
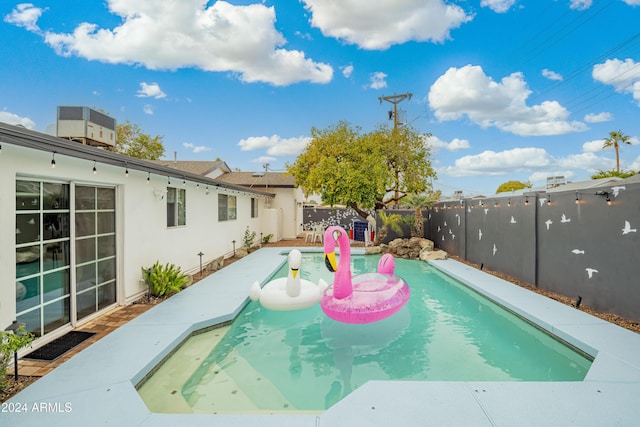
(195, 148)
(551, 75)
(377, 80)
(499, 6)
(148, 109)
(598, 118)
(499, 163)
(275, 145)
(383, 23)
(456, 144)
(14, 119)
(624, 76)
(347, 70)
(632, 2)
(592, 146)
(264, 159)
(25, 15)
(240, 40)
(151, 90)
(529, 159)
(635, 166)
(469, 92)
(580, 4)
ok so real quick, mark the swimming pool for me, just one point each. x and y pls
(303, 361)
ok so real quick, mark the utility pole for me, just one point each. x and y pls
(395, 100)
(266, 177)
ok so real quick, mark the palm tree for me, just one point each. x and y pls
(389, 221)
(418, 201)
(615, 139)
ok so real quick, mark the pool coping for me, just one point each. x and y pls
(98, 384)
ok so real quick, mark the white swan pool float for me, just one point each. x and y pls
(288, 293)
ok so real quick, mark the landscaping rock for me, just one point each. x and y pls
(409, 248)
(241, 253)
(216, 264)
(433, 255)
(372, 250)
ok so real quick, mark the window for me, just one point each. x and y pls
(176, 207)
(226, 207)
(254, 208)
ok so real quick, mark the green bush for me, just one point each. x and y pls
(248, 238)
(9, 343)
(164, 279)
(267, 238)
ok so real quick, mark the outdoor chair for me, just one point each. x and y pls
(318, 233)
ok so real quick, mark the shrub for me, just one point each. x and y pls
(267, 238)
(164, 279)
(248, 238)
(9, 343)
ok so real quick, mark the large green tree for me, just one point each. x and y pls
(131, 141)
(615, 139)
(512, 185)
(363, 170)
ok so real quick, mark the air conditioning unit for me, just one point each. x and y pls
(86, 125)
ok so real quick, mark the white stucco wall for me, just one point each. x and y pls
(286, 201)
(142, 232)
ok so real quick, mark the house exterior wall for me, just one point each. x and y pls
(286, 201)
(141, 219)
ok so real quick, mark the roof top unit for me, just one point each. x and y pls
(555, 181)
(86, 125)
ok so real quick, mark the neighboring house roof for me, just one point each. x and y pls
(259, 179)
(197, 167)
(630, 180)
(22, 137)
(584, 185)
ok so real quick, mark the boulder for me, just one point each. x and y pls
(426, 243)
(216, 264)
(372, 250)
(241, 253)
(409, 248)
(433, 255)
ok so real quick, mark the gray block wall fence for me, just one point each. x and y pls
(577, 243)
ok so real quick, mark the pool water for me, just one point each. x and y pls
(272, 362)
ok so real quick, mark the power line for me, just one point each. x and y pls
(562, 33)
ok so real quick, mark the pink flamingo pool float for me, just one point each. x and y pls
(363, 298)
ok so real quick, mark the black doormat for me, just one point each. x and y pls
(59, 346)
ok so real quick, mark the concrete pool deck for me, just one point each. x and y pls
(97, 386)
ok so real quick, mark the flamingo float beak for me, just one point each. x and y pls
(330, 242)
(330, 261)
(294, 272)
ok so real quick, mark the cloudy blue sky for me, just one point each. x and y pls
(508, 89)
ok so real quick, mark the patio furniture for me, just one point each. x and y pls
(316, 233)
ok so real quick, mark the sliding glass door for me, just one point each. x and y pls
(42, 255)
(45, 214)
(95, 254)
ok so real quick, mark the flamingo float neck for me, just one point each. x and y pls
(342, 285)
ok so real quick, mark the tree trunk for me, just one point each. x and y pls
(419, 227)
(360, 212)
